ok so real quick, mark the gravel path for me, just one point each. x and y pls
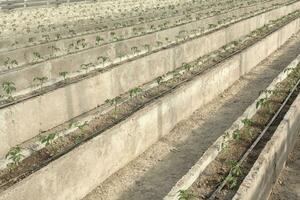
(152, 175)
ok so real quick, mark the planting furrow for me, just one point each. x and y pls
(100, 155)
(154, 172)
(64, 111)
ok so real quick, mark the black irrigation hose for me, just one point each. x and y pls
(69, 149)
(246, 154)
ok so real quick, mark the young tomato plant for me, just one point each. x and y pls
(40, 80)
(159, 80)
(14, 155)
(64, 75)
(48, 139)
(185, 195)
(237, 134)
(135, 91)
(187, 66)
(8, 87)
(80, 126)
(114, 102)
(234, 174)
(10, 63)
(247, 124)
(102, 60)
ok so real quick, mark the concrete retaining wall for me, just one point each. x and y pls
(259, 181)
(100, 157)
(60, 105)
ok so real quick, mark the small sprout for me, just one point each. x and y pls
(135, 50)
(46, 37)
(14, 155)
(135, 91)
(210, 26)
(159, 80)
(176, 74)
(225, 140)
(234, 174)
(36, 56)
(79, 126)
(85, 67)
(232, 181)
(10, 63)
(53, 50)
(40, 80)
(236, 135)
(64, 75)
(185, 195)
(247, 122)
(146, 47)
(48, 139)
(102, 59)
(99, 40)
(8, 87)
(187, 66)
(159, 43)
(114, 102)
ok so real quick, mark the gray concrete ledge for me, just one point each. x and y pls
(97, 159)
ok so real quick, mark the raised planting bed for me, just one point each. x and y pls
(120, 43)
(104, 146)
(57, 104)
(233, 154)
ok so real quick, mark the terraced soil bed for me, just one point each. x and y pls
(119, 111)
(226, 167)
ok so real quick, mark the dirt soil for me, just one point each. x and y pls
(287, 186)
(152, 175)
